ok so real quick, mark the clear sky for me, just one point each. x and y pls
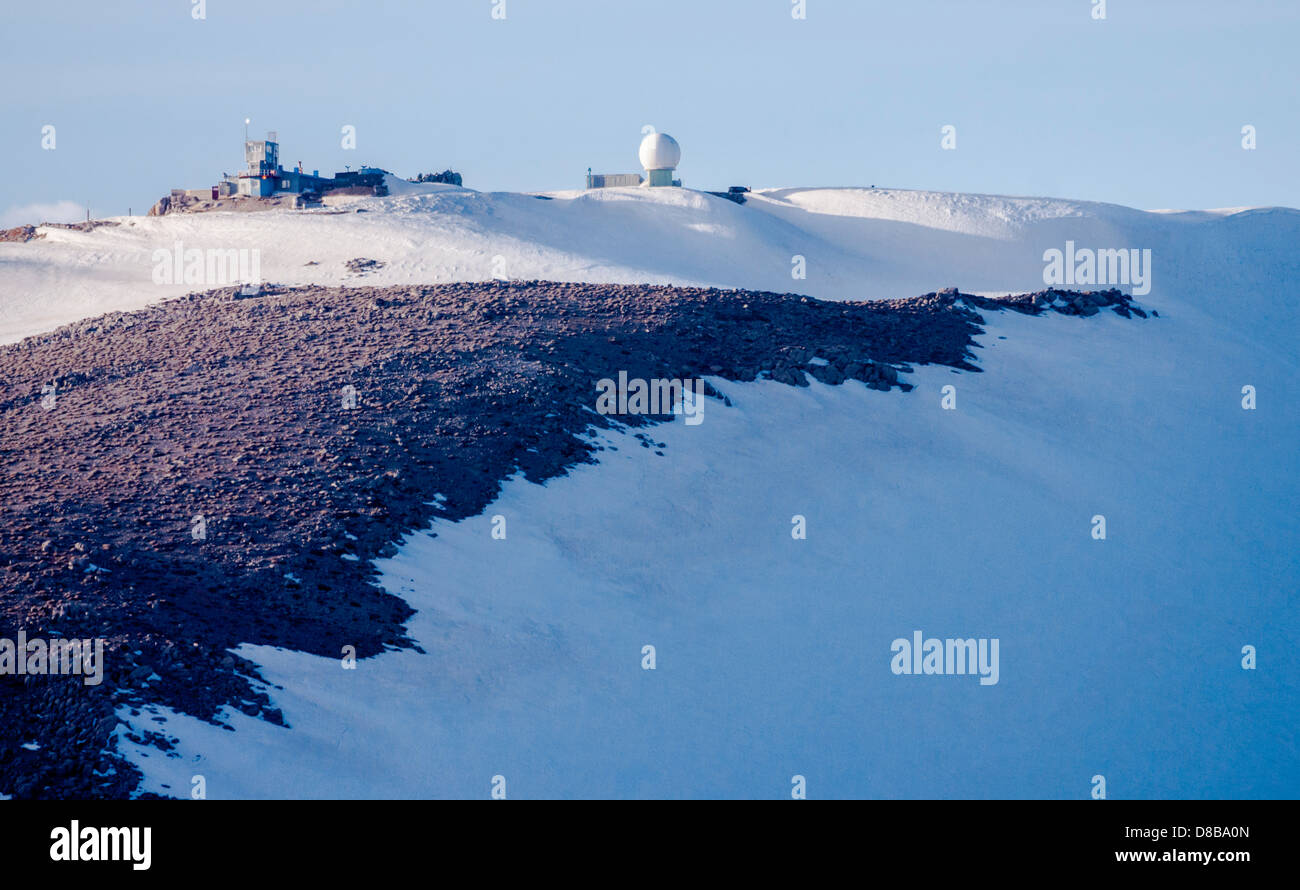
(1144, 108)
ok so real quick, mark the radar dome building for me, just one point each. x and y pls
(660, 154)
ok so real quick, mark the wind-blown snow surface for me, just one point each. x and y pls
(857, 244)
(1118, 657)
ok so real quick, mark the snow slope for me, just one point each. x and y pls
(1118, 657)
(857, 244)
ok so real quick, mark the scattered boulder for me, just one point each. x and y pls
(362, 265)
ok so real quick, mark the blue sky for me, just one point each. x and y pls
(1144, 108)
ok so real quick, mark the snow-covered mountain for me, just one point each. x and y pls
(856, 244)
(1119, 657)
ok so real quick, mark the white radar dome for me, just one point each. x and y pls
(659, 151)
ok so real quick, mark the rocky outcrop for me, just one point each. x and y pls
(28, 233)
(180, 202)
(19, 233)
